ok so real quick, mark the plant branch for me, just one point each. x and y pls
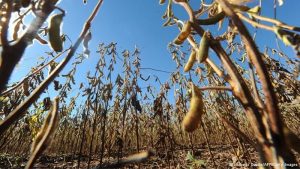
(276, 22)
(18, 112)
(215, 88)
(236, 130)
(255, 24)
(256, 94)
(239, 87)
(270, 98)
(33, 73)
(11, 55)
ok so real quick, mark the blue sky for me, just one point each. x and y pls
(136, 22)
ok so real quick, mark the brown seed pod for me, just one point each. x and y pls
(190, 62)
(212, 20)
(161, 2)
(192, 119)
(185, 32)
(203, 48)
(56, 42)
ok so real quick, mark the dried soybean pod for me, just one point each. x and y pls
(212, 20)
(190, 62)
(203, 48)
(25, 3)
(193, 118)
(185, 32)
(162, 2)
(44, 137)
(56, 42)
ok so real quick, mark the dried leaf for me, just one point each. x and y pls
(86, 41)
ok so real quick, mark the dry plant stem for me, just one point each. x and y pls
(255, 24)
(279, 147)
(18, 112)
(103, 129)
(137, 130)
(276, 22)
(207, 142)
(253, 83)
(237, 130)
(93, 130)
(46, 136)
(258, 99)
(83, 134)
(33, 73)
(239, 87)
(231, 142)
(216, 69)
(9, 56)
(23, 15)
(215, 88)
